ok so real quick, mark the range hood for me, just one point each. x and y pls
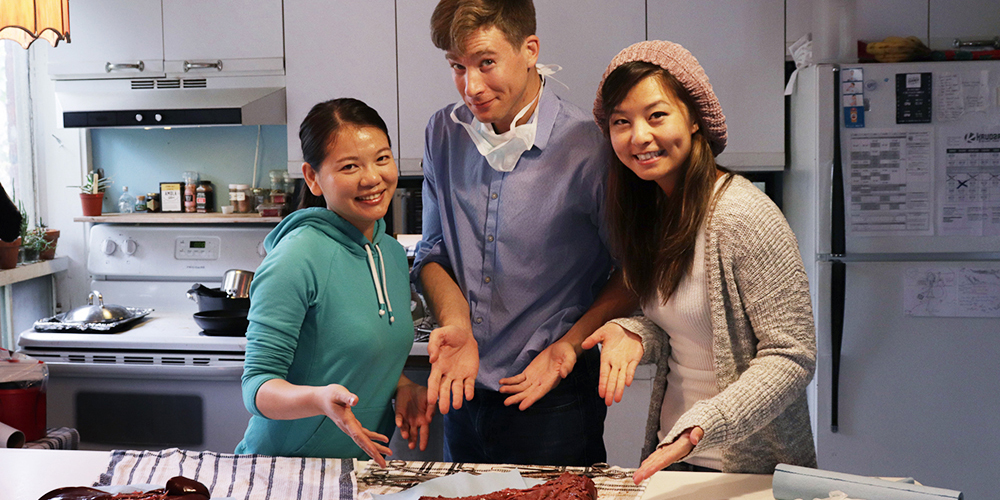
(167, 102)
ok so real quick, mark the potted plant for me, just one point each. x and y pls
(33, 243)
(51, 236)
(9, 252)
(92, 193)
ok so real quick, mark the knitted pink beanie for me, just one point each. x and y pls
(679, 62)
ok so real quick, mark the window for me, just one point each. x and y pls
(16, 173)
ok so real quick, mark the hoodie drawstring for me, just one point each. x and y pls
(381, 262)
(382, 300)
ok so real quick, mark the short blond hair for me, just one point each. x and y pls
(454, 20)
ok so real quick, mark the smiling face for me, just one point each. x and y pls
(651, 133)
(358, 177)
(496, 79)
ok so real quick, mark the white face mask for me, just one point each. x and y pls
(502, 150)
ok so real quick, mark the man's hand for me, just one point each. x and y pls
(541, 376)
(336, 402)
(411, 413)
(666, 455)
(620, 353)
(454, 357)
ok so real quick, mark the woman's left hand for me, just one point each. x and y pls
(411, 413)
(666, 455)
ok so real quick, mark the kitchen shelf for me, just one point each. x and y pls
(178, 218)
(25, 272)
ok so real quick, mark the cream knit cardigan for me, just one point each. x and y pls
(764, 341)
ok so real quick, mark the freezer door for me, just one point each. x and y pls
(920, 148)
(918, 391)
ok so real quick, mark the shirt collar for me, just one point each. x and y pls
(547, 109)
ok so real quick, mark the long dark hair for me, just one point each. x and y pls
(651, 233)
(319, 130)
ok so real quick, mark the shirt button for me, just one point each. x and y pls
(489, 238)
(479, 320)
(487, 279)
(493, 196)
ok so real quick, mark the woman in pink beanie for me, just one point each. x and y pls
(726, 310)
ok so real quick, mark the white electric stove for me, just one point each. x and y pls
(162, 382)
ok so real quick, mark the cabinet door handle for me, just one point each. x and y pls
(959, 43)
(188, 65)
(109, 67)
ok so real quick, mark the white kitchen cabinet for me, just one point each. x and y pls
(339, 49)
(108, 34)
(245, 36)
(580, 35)
(155, 38)
(741, 46)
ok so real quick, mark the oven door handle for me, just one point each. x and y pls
(233, 371)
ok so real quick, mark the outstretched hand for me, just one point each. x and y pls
(541, 375)
(336, 402)
(666, 455)
(411, 413)
(454, 357)
(621, 352)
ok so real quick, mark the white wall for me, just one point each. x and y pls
(61, 157)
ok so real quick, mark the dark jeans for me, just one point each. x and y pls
(566, 427)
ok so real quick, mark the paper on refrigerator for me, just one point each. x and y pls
(952, 291)
(890, 182)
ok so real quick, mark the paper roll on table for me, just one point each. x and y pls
(10, 437)
(791, 482)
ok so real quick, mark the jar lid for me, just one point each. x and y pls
(233, 186)
(242, 186)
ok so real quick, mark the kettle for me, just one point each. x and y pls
(236, 283)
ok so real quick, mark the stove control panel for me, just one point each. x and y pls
(174, 252)
(197, 248)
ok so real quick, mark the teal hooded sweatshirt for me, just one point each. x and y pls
(326, 307)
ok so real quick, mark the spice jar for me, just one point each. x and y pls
(190, 191)
(152, 202)
(140, 203)
(205, 197)
(239, 198)
(260, 196)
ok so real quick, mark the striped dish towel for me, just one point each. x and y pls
(243, 477)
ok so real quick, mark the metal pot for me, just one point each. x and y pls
(236, 283)
(99, 313)
(215, 299)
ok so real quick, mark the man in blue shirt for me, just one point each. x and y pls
(513, 260)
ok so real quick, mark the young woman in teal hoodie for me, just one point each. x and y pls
(325, 352)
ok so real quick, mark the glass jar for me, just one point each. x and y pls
(126, 202)
(190, 191)
(140, 203)
(260, 195)
(205, 197)
(277, 187)
(152, 202)
(240, 198)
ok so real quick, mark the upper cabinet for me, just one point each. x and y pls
(339, 49)
(741, 46)
(124, 45)
(171, 38)
(581, 36)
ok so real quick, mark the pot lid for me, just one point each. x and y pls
(98, 313)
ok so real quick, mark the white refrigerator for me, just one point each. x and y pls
(893, 191)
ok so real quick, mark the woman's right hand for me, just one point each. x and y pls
(620, 354)
(336, 402)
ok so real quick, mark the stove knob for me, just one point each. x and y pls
(260, 249)
(129, 246)
(109, 246)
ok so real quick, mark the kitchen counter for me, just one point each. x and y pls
(28, 474)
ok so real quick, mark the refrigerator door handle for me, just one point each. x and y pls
(838, 248)
(837, 304)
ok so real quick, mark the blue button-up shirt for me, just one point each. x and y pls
(527, 247)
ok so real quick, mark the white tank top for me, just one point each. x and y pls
(686, 318)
